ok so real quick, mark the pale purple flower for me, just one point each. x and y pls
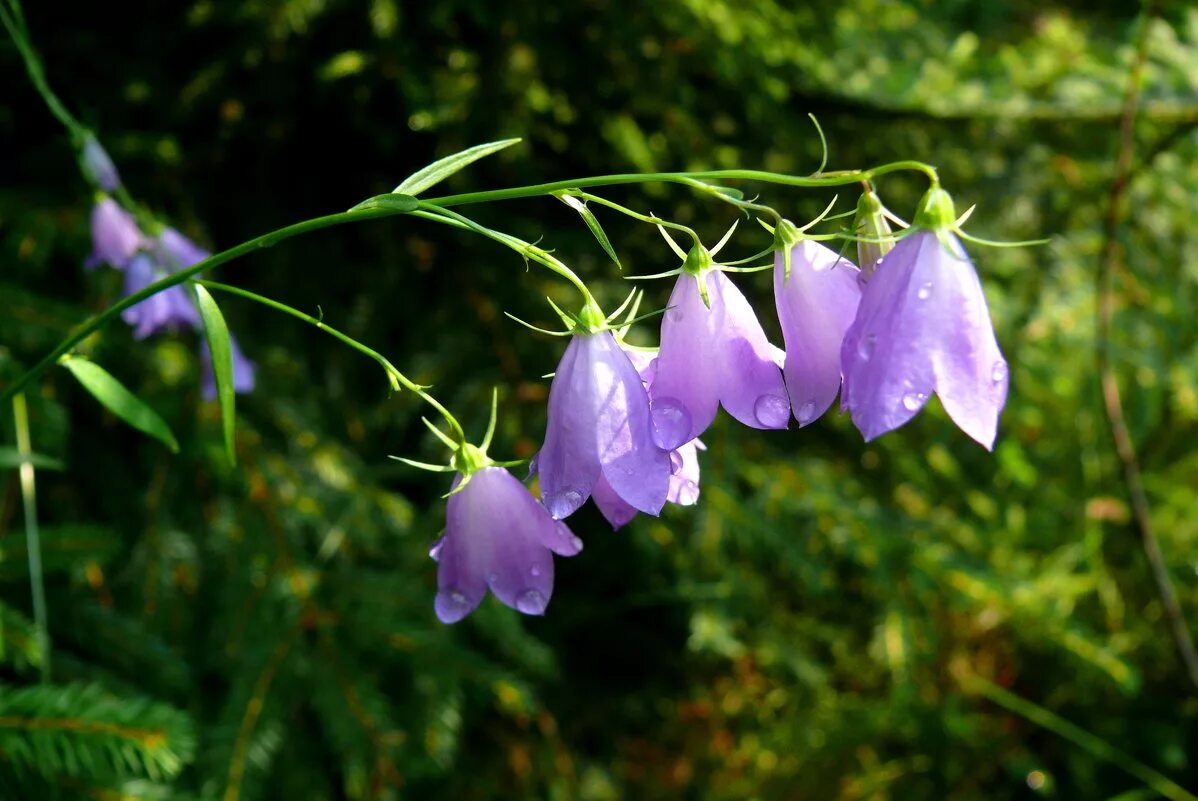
(683, 491)
(598, 426)
(713, 356)
(816, 305)
(179, 251)
(244, 370)
(170, 309)
(923, 326)
(115, 236)
(497, 535)
(99, 166)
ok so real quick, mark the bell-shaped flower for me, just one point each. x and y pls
(497, 535)
(599, 427)
(115, 236)
(683, 490)
(179, 251)
(713, 353)
(244, 370)
(99, 166)
(816, 305)
(168, 310)
(923, 327)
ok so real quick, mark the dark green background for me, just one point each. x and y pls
(819, 626)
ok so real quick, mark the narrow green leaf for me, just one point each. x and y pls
(398, 203)
(11, 457)
(439, 170)
(120, 401)
(592, 222)
(217, 334)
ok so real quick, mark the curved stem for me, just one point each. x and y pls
(98, 321)
(33, 65)
(396, 378)
(839, 178)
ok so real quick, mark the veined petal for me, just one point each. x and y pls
(684, 391)
(816, 306)
(568, 462)
(614, 508)
(750, 384)
(971, 373)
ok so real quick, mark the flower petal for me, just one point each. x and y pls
(568, 463)
(684, 483)
(750, 384)
(115, 235)
(684, 391)
(614, 509)
(816, 306)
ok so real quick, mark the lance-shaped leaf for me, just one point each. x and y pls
(120, 401)
(217, 334)
(441, 169)
(592, 222)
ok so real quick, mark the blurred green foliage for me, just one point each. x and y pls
(819, 627)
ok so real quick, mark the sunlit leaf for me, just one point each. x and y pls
(441, 169)
(120, 401)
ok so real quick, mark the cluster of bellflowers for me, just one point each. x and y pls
(146, 252)
(623, 428)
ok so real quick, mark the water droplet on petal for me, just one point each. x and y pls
(925, 291)
(532, 602)
(492, 578)
(865, 348)
(998, 373)
(534, 571)
(671, 422)
(806, 412)
(458, 599)
(563, 502)
(435, 551)
(912, 401)
(576, 542)
(772, 411)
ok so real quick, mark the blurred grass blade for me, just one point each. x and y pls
(439, 170)
(217, 335)
(1093, 744)
(592, 222)
(11, 457)
(120, 401)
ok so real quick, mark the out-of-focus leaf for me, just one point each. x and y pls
(120, 401)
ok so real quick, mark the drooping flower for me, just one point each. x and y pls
(923, 327)
(115, 236)
(497, 535)
(683, 491)
(599, 426)
(244, 370)
(171, 309)
(816, 305)
(713, 355)
(99, 166)
(180, 251)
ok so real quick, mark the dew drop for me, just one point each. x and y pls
(806, 412)
(564, 502)
(534, 571)
(671, 422)
(865, 348)
(912, 401)
(576, 542)
(772, 411)
(998, 373)
(457, 598)
(925, 291)
(532, 602)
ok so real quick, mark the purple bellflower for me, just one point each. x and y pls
(599, 427)
(115, 236)
(816, 305)
(713, 352)
(168, 310)
(99, 166)
(497, 536)
(180, 251)
(923, 327)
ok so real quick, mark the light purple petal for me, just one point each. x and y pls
(684, 483)
(99, 166)
(179, 251)
(684, 390)
(568, 462)
(244, 370)
(599, 422)
(166, 310)
(816, 306)
(923, 327)
(115, 235)
(614, 509)
(750, 384)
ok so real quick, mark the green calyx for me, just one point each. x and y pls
(698, 261)
(469, 459)
(590, 318)
(936, 210)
